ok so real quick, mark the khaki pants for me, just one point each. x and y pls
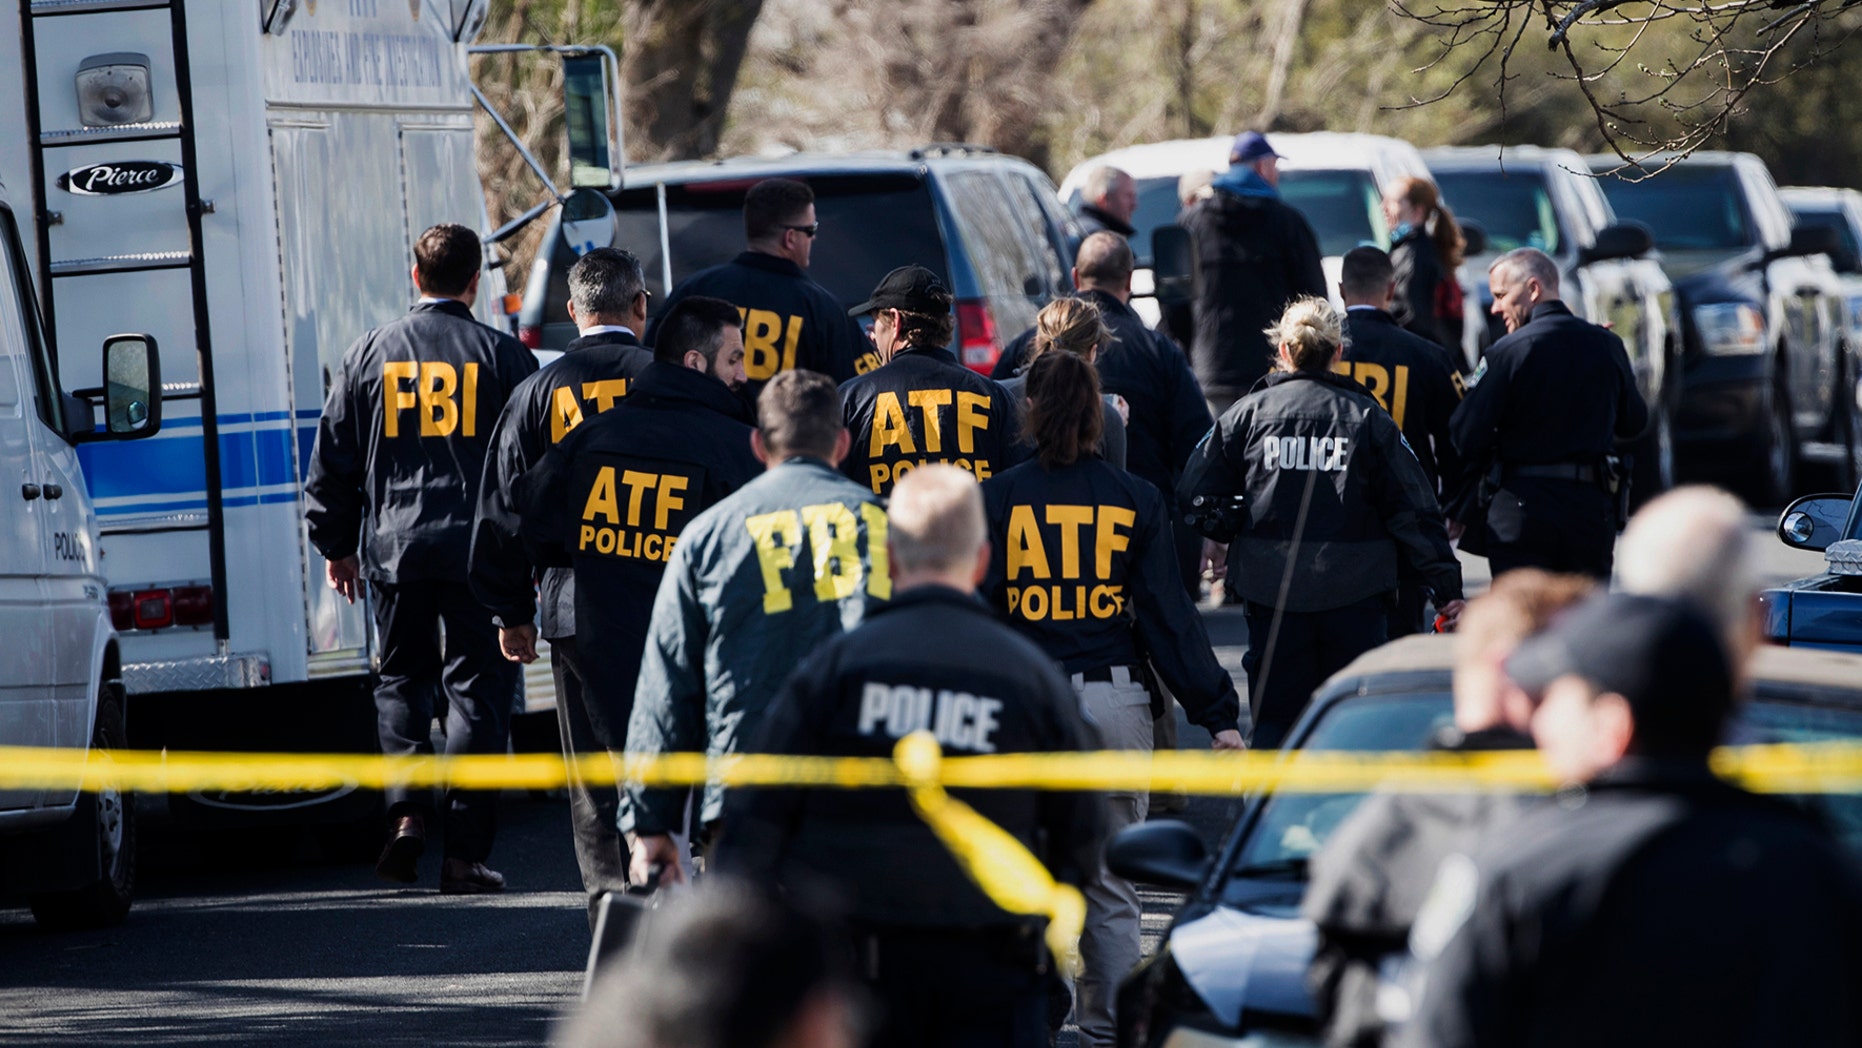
(1121, 711)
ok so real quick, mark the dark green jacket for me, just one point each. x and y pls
(756, 583)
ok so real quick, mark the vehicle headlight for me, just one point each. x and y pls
(1730, 329)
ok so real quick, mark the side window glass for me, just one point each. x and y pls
(1044, 224)
(15, 273)
(1003, 260)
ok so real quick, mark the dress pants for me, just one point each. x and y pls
(593, 809)
(1120, 709)
(1311, 646)
(479, 689)
(1557, 525)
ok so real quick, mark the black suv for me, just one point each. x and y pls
(989, 224)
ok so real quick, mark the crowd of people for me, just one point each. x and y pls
(750, 525)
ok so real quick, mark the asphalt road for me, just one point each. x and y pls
(287, 948)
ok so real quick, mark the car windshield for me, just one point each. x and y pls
(1344, 207)
(1836, 220)
(1291, 827)
(1513, 206)
(1157, 206)
(705, 223)
(1689, 208)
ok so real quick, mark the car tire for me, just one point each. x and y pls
(1654, 470)
(110, 813)
(1773, 476)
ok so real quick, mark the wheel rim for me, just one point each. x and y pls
(112, 822)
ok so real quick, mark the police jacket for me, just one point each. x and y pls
(791, 561)
(590, 377)
(1370, 879)
(923, 407)
(403, 441)
(789, 320)
(1083, 564)
(1168, 412)
(1661, 905)
(1255, 254)
(1112, 445)
(1558, 390)
(980, 688)
(1419, 274)
(612, 499)
(1320, 441)
(1413, 379)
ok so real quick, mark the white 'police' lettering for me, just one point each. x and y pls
(1325, 454)
(958, 719)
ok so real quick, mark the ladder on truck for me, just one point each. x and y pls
(102, 21)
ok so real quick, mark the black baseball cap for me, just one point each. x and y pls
(913, 289)
(1663, 655)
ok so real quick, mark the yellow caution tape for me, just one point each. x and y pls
(1006, 872)
(1803, 768)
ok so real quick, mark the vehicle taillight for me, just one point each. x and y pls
(122, 615)
(976, 337)
(152, 609)
(531, 337)
(193, 605)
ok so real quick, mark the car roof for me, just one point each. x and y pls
(1382, 155)
(1784, 673)
(1704, 158)
(1494, 157)
(792, 165)
(1824, 197)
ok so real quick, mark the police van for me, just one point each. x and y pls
(246, 181)
(72, 856)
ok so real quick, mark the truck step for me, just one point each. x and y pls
(84, 7)
(122, 263)
(87, 136)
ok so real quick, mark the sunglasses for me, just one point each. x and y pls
(808, 230)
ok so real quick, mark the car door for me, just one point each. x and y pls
(28, 716)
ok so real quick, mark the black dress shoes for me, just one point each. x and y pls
(400, 860)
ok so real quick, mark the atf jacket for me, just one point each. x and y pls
(757, 582)
(1660, 905)
(789, 320)
(612, 499)
(1557, 390)
(1083, 564)
(923, 407)
(1168, 412)
(1255, 254)
(1370, 879)
(402, 444)
(589, 378)
(1413, 379)
(980, 688)
(1370, 503)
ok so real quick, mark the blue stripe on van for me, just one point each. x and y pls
(170, 463)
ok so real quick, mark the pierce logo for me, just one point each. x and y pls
(123, 176)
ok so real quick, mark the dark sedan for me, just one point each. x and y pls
(1231, 970)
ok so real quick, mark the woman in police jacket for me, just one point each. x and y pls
(1331, 498)
(1083, 563)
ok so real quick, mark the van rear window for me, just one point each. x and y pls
(870, 225)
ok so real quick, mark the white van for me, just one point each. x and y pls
(71, 855)
(247, 181)
(1336, 179)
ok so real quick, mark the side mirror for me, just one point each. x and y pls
(587, 220)
(589, 120)
(1473, 238)
(1163, 852)
(131, 393)
(1814, 522)
(1623, 240)
(1809, 239)
(1173, 265)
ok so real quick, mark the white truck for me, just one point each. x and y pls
(72, 856)
(245, 181)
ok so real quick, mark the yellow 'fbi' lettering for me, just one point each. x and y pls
(879, 580)
(834, 533)
(763, 359)
(774, 534)
(1393, 395)
(438, 383)
(394, 399)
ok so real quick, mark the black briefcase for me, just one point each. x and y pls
(617, 918)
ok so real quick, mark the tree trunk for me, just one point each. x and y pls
(679, 63)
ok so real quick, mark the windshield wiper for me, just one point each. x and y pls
(1293, 868)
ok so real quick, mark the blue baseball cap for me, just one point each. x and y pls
(1248, 147)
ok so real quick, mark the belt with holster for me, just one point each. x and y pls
(1583, 474)
(1120, 675)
